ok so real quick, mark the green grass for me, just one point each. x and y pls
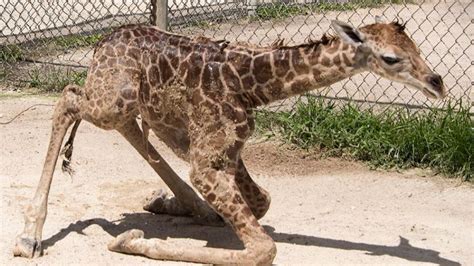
(203, 24)
(49, 81)
(55, 81)
(281, 10)
(76, 41)
(441, 140)
(10, 53)
(3, 74)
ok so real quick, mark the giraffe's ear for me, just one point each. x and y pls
(348, 33)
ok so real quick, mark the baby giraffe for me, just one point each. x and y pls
(198, 96)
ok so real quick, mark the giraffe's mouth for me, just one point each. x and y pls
(429, 93)
(434, 87)
(434, 93)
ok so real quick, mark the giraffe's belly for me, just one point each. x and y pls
(165, 110)
(177, 139)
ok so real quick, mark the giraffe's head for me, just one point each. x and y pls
(385, 49)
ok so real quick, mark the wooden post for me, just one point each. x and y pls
(159, 13)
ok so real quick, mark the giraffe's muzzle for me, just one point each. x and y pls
(436, 88)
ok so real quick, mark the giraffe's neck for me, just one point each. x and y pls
(287, 71)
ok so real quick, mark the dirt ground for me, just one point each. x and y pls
(324, 211)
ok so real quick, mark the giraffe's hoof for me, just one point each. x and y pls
(121, 242)
(156, 201)
(161, 202)
(27, 247)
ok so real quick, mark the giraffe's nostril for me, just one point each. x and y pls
(435, 81)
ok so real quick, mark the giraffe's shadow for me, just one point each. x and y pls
(164, 226)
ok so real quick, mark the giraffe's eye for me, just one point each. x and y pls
(390, 60)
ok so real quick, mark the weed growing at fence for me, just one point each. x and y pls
(10, 53)
(441, 140)
(280, 10)
(55, 81)
(3, 74)
(76, 41)
(31, 51)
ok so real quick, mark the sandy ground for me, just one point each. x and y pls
(324, 211)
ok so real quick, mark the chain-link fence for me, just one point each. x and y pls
(47, 45)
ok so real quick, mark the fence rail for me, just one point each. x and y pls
(48, 45)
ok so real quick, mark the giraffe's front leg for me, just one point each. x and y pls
(256, 197)
(186, 202)
(28, 243)
(213, 173)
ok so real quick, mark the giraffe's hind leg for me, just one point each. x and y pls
(68, 110)
(186, 200)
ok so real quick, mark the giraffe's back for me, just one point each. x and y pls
(141, 70)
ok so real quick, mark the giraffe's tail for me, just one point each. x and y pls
(66, 152)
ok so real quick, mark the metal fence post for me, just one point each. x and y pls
(159, 13)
